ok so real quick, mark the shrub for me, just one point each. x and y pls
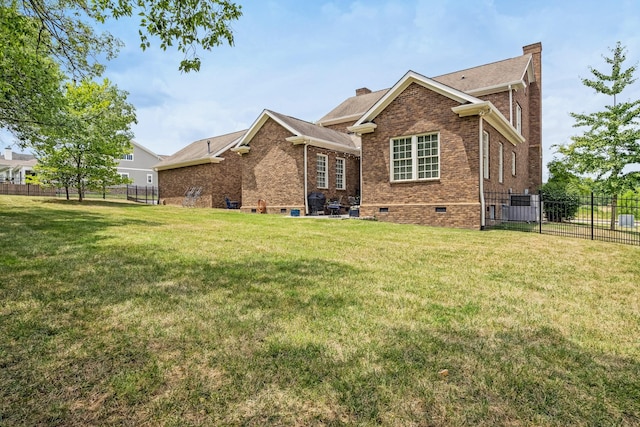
(629, 204)
(558, 202)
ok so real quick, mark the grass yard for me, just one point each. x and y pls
(120, 314)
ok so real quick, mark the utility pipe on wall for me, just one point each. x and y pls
(481, 169)
(306, 201)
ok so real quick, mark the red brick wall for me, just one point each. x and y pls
(273, 171)
(415, 111)
(216, 179)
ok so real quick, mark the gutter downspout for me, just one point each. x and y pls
(481, 169)
(306, 201)
(510, 105)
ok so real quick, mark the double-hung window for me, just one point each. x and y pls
(485, 155)
(340, 183)
(415, 157)
(501, 163)
(321, 171)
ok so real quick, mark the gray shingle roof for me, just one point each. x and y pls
(198, 150)
(484, 76)
(354, 106)
(317, 132)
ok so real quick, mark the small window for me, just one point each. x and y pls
(149, 178)
(340, 181)
(513, 163)
(124, 175)
(485, 154)
(128, 157)
(501, 163)
(321, 171)
(519, 119)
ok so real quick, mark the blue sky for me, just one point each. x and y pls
(302, 58)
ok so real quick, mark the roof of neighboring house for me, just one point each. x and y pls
(142, 147)
(207, 150)
(305, 133)
(18, 160)
(476, 81)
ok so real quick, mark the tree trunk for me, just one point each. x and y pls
(614, 211)
(66, 189)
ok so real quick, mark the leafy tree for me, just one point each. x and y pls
(610, 142)
(43, 43)
(69, 36)
(84, 153)
(30, 82)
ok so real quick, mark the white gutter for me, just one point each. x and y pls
(306, 178)
(510, 105)
(481, 170)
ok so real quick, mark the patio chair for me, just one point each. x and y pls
(231, 204)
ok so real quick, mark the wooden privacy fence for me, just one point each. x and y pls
(27, 190)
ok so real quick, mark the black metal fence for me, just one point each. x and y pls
(595, 217)
(146, 194)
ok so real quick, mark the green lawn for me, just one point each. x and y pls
(120, 314)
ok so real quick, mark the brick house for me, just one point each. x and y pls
(432, 148)
(206, 167)
(425, 151)
(284, 159)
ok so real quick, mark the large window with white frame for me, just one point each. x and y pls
(340, 168)
(519, 118)
(415, 157)
(501, 163)
(485, 154)
(321, 171)
(127, 157)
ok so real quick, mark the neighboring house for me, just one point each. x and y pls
(284, 159)
(15, 167)
(138, 166)
(202, 174)
(432, 148)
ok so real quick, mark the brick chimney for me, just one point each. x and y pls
(362, 91)
(8, 154)
(535, 114)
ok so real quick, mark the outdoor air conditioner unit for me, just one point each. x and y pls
(524, 207)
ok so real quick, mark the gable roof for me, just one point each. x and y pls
(409, 78)
(303, 133)
(469, 105)
(477, 81)
(491, 78)
(207, 150)
(143, 148)
(352, 108)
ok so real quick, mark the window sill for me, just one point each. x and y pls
(413, 181)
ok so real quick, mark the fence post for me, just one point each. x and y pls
(592, 212)
(540, 211)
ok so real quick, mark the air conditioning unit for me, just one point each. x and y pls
(524, 207)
